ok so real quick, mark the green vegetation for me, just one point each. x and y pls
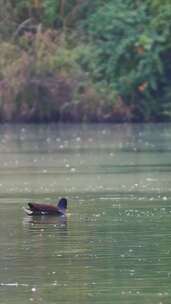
(82, 60)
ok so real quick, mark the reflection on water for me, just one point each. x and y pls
(115, 244)
(60, 221)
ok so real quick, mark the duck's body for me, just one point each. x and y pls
(44, 209)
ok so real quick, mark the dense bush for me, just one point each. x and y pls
(131, 55)
(112, 57)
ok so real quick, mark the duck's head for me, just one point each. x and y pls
(62, 204)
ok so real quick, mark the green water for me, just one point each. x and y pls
(115, 244)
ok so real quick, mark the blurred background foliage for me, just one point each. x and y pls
(82, 60)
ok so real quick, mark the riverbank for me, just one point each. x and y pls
(76, 62)
(47, 84)
(60, 98)
(52, 99)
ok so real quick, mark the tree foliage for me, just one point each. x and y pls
(132, 47)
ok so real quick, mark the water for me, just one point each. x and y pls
(115, 244)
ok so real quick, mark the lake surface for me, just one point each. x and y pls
(115, 244)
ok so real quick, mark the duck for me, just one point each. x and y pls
(44, 209)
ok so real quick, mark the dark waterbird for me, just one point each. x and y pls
(44, 209)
